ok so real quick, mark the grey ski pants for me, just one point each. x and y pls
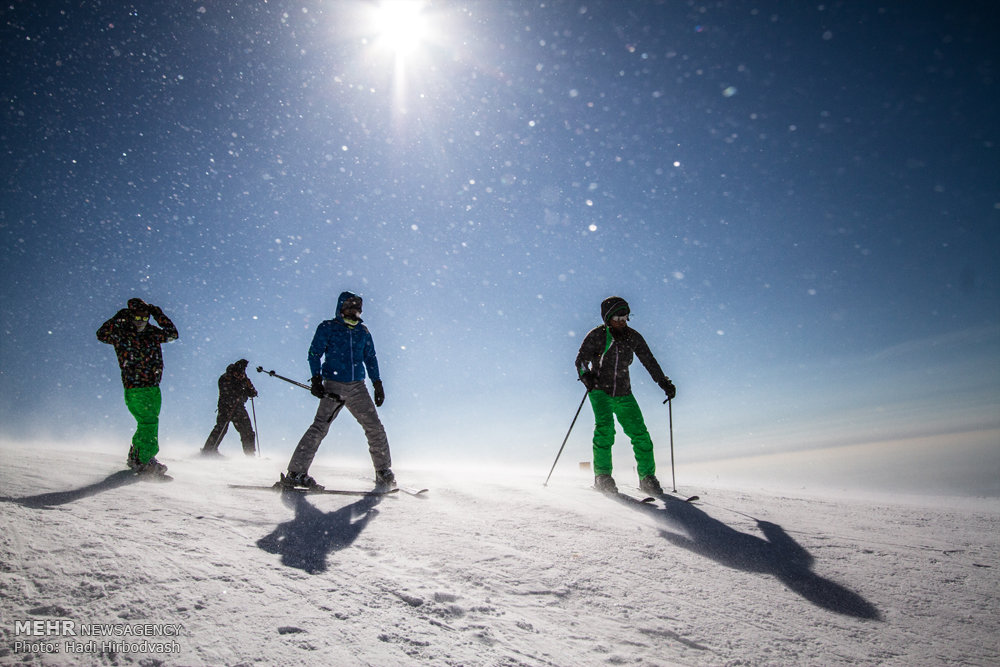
(355, 396)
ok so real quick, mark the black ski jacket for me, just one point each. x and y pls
(234, 388)
(609, 356)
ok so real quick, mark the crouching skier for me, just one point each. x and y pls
(234, 390)
(345, 347)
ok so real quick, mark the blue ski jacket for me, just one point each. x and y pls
(346, 351)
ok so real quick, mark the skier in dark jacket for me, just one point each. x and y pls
(137, 346)
(234, 390)
(602, 364)
(341, 351)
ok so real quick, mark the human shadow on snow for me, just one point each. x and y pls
(776, 554)
(49, 500)
(306, 540)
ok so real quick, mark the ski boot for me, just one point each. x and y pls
(605, 484)
(650, 485)
(151, 468)
(297, 480)
(384, 480)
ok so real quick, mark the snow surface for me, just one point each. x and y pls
(490, 568)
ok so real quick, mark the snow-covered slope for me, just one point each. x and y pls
(484, 571)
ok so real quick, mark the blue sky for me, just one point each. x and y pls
(800, 202)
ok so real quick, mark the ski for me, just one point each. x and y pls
(413, 491)
(626, 498)
(309, 492)
(644, 500)
(688, 499)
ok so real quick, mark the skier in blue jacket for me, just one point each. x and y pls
(341, 351)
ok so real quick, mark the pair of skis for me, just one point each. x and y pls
(324, 491)
(319, 491)
(646, 500)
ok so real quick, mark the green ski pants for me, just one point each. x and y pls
(144, 404)
(626, 409)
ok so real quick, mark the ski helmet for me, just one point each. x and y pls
(613, 305)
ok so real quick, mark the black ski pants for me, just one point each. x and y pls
(238, 416)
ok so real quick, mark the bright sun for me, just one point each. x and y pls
(399, 26)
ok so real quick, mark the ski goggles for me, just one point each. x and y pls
(140, 318)
(619, 314)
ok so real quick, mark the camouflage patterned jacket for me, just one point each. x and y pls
(139, 354)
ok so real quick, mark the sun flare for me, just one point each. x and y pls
(399, 26)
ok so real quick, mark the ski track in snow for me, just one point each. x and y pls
(488, 572)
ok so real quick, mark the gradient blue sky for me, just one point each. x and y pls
(801, 202)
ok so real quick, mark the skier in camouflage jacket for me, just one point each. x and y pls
(137, 346)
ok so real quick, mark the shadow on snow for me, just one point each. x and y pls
(49, 500)
(776, 554)
(306, 540)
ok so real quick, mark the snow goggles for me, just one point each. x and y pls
(619, 313)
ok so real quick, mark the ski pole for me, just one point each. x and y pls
(260, 369)
(670, 416)
(567, 436)
(329, 394)
(256, 433)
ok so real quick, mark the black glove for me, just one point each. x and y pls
(155, 311)
(379, 392)
(317, 386)
(589, 380)
(667, 386)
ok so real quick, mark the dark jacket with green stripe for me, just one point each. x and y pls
(609, 355)
(138, 352)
